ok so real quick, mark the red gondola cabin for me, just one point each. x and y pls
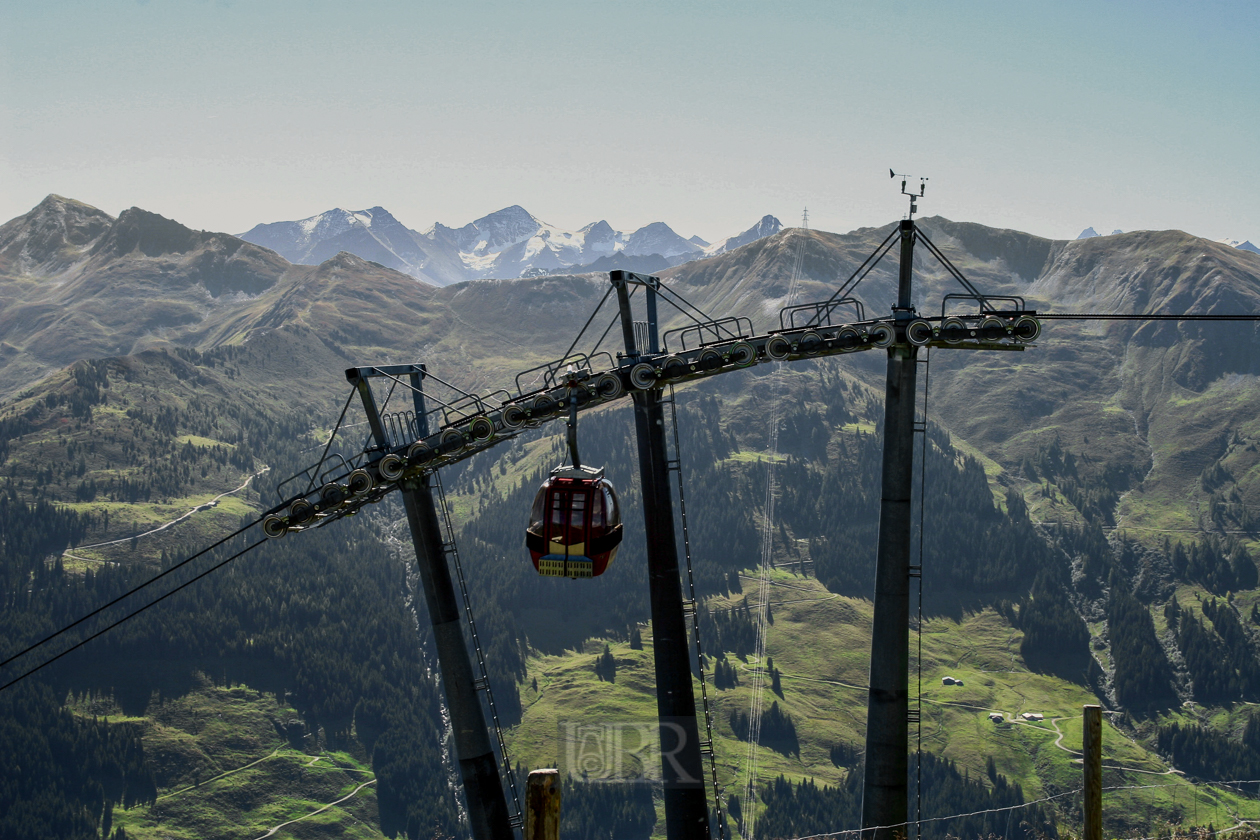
(575, 527)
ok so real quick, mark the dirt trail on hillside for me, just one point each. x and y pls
(349, 795)
(172, 522)
(222, 775)
(1058, 742)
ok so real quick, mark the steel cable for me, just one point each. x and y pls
(155, 601)
(127, 594)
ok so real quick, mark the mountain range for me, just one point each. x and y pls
(1090, 233)
(509, 243)
(1091, 526)
(1243, 245)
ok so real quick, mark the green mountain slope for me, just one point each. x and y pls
(818, 644)
(1075, 491)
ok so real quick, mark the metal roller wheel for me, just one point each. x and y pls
(608, 386)
(1027, 329)
(778, 348)
(481, 428)
(419, 452)
(643, 376)
(919, 332)
(453, 441)
(709, 360)
(881, 335)
(274, 527)
(953, 330)
(332, 495)
(848, 339)
(673, 369)
(743, 354)
(993, 329)
(301, 512)
(810, 343)
(512, 417)
(544, 406)
(390, 467)
(360, 482)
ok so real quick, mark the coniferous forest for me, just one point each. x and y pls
(804, 808)
(330, 622)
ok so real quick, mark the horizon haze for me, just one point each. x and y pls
(1044, 119)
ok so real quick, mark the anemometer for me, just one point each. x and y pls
(913, 198)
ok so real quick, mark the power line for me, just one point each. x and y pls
(157, 600)
(755, 709)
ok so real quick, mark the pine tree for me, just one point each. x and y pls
(1172, 613)
(606, 665)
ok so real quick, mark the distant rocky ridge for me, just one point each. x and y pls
(1245, 245)
(1090, 233)
(1242, 245)
(78, 283)
(507, 244)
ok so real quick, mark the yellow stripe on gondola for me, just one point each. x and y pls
(551, 566)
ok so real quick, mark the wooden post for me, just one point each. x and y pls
(542, 797)
(1092, 782)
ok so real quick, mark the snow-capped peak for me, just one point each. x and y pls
(1245, 245)
(504, 228)
(659, 238)
(326, 224)
(600, 238)
(507, 243)
(766, 226)
(1090, 233)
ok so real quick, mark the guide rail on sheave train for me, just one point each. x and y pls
(336, 486)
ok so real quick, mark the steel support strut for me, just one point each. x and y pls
(483, 789)
(686, 806)
(885, 784)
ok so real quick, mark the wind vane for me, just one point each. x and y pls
(913, 198)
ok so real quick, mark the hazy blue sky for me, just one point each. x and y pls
(1045, 117)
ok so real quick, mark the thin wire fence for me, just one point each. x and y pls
(1194, 816)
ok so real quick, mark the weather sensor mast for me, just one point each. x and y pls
(913, 198)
